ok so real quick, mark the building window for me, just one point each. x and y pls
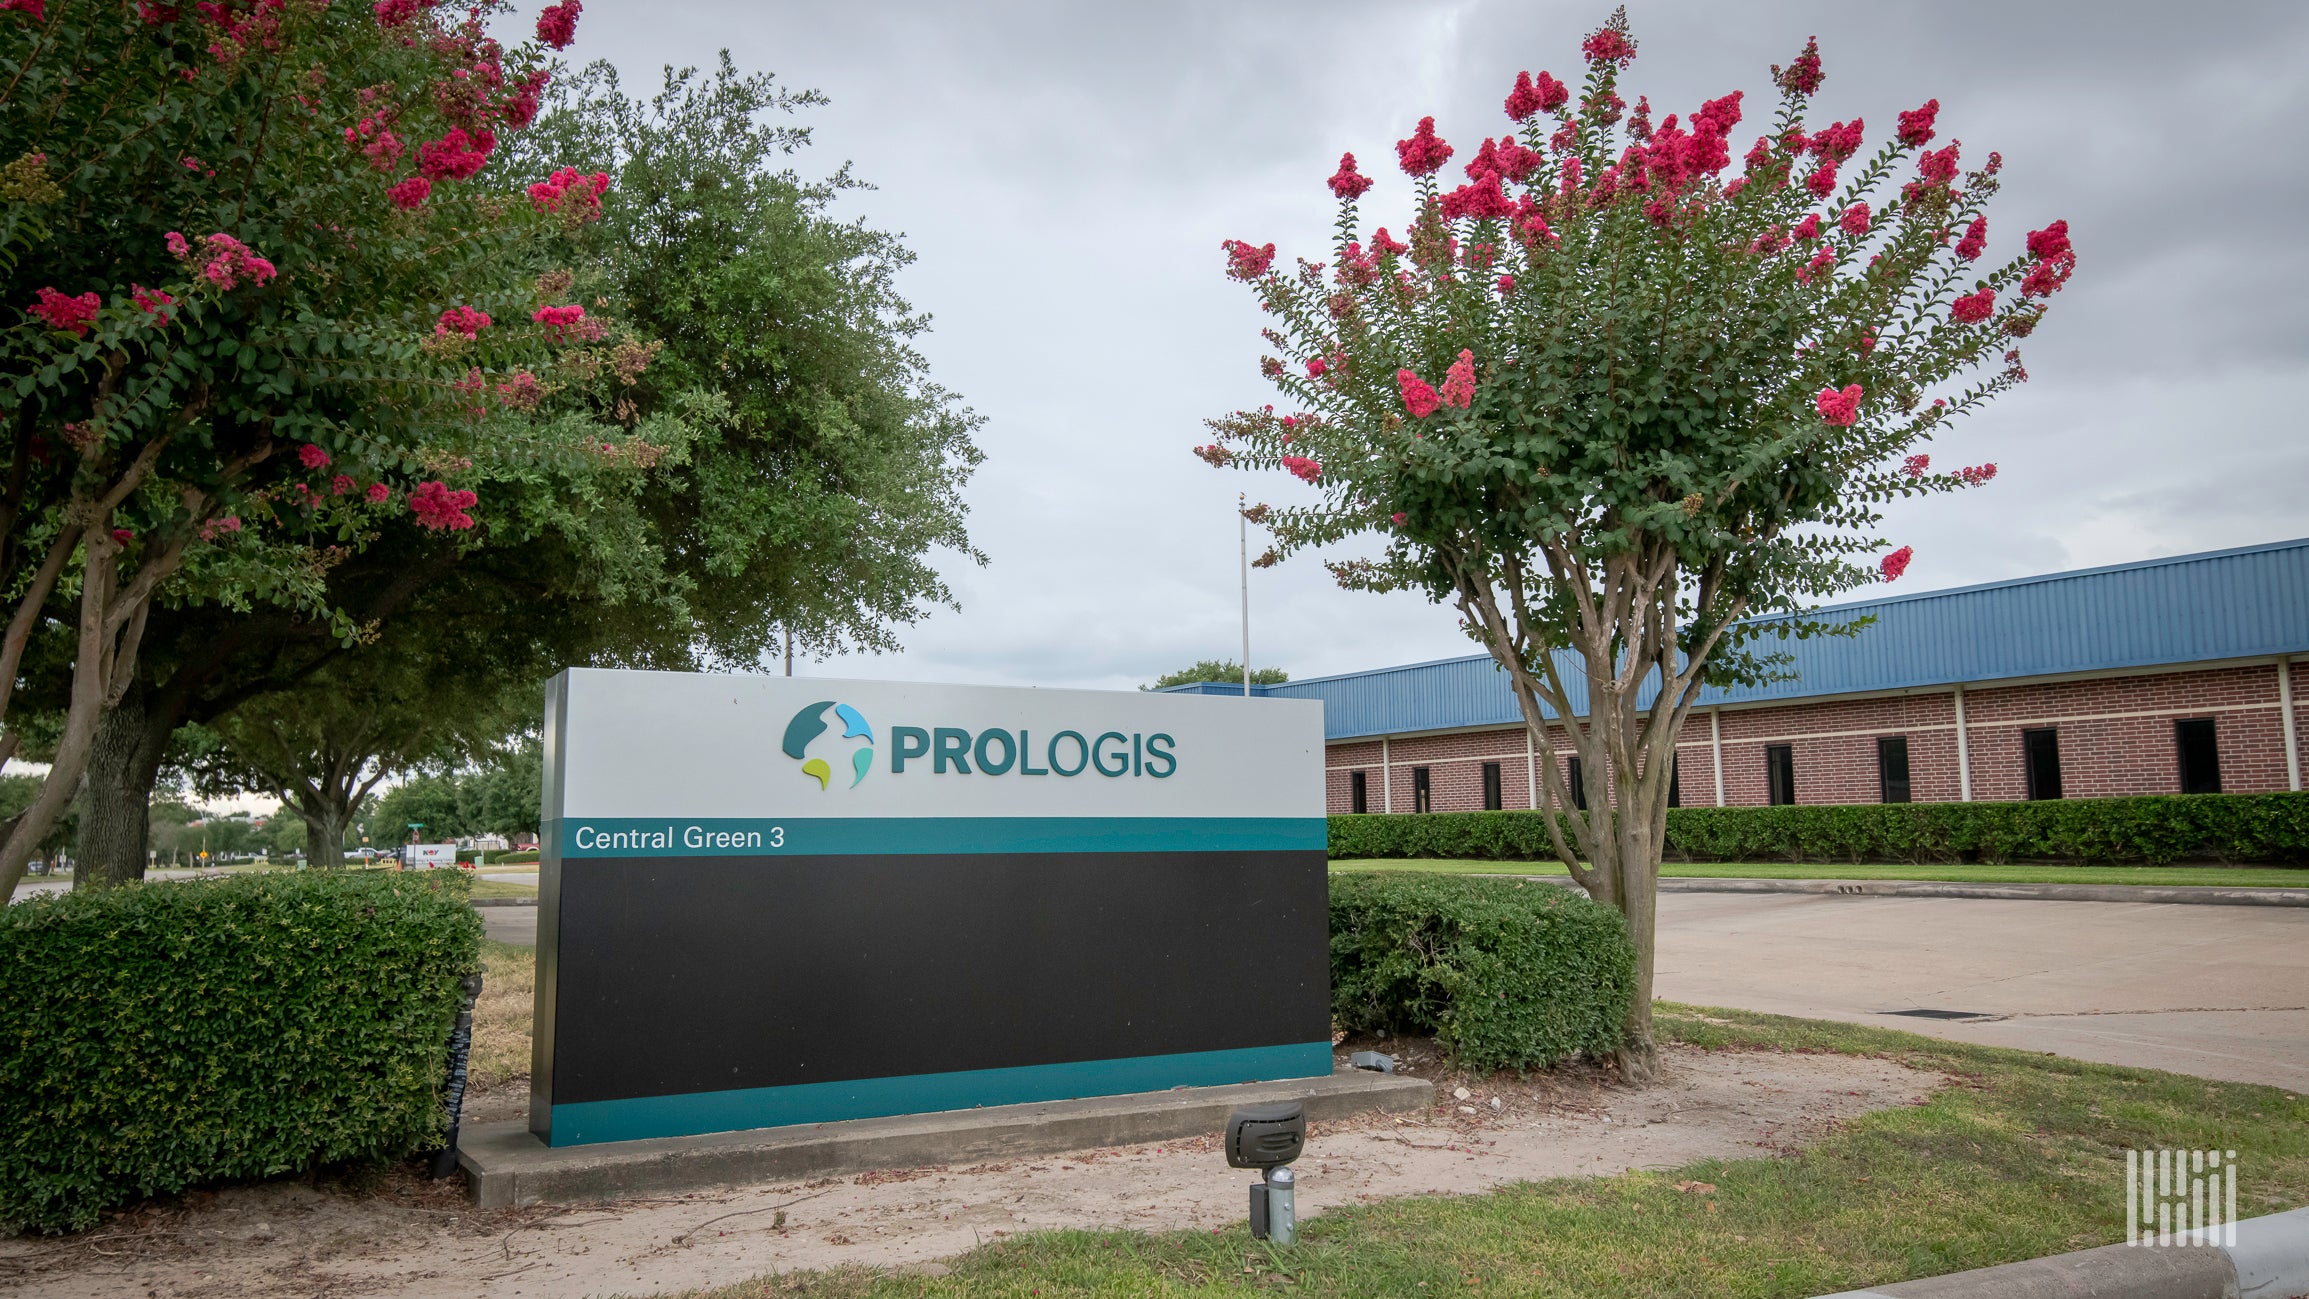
(1420, 801)
(2041, 750)
(1892, 768)
(1358, 792)
(1491, 801)
(1572, 781)
(1780, 774)
(2200, 754)
(1675, 787)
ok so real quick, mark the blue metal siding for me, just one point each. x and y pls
(2230, 604)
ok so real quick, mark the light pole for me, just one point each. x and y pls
(1243, 543)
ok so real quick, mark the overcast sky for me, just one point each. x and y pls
(1066, 173)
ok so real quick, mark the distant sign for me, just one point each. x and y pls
(430, 856)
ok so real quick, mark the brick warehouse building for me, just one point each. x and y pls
(2181, 675)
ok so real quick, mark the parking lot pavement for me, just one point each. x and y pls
(510, 924)
(2222, 992)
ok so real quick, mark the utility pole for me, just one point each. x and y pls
(789, 649)
(1243, 542)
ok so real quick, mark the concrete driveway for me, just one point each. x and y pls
(2217, 991)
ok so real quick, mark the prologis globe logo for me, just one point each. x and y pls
(810, 723)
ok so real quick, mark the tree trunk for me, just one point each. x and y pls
(325, 819)
(1638, 1057)
(115, 804)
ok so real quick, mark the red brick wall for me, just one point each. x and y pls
(2116, 737)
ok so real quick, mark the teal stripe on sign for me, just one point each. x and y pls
(902, 836)
(593, 1122)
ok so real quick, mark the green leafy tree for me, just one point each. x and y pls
(427, 800)
(1219, 670)
(826, 469)
(1607, 404)
(265, 314)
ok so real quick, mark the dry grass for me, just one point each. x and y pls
(501, 1018)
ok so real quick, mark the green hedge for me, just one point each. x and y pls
(158, 1036)
(2153, 830)
(1506, 975)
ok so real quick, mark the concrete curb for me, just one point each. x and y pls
(506, 1166)
(2269, 1261)
(503, 902)
(2191, 894)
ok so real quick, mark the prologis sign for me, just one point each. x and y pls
(770, 901)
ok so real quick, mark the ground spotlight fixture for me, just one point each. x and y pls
(1269, 1137)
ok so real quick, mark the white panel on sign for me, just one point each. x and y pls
(662, 744)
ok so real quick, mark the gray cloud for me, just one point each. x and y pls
(1067, 171)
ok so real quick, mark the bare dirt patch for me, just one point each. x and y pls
(405, 1236)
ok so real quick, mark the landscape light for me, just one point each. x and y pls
(1269, 1137)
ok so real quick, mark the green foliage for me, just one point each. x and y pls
(1219, 670)
(159, 1036)
(2149, 830)
(827, 466)
(1506, 975)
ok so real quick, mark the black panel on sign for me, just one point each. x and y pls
(706, 974)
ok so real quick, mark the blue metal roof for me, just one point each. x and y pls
(2223, 604)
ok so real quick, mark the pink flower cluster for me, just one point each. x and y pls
(1481, 200)
(71, 314)
(1855, 220)
(438, 507)
(557, 26)
(1808, 229)
(411, 193)
(1916, 124)
(559, 322)
(312, 457)
(222, 260)
(1532, 96)
(1346, 183)
(215, 528)
(1938, 166)
(2055, 261)
(1316, 367)
(1609, 45)
(1896, 563)
(36, 10)
(1303, 469)
(1839, 408)
(1837, 141)
(457, 155)
(393, 13)
(1974, 307)
(1914, 466)
(1423, 154)
(1245, 262)
(153, 302)
(568, 186)
(1975, 240)
(461, 320)
(1803, 77)
(1459, 381)
(1975, 475)
(1418, 398)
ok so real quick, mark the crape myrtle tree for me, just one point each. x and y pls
(262, 313)
(1607, 402)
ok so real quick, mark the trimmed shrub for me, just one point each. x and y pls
(2149, 830)
(159, 1036)
(1506, 975)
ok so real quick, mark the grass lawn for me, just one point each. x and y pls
(2213, 876)
(502, 889)
(501, 1018)
(2023, 1156)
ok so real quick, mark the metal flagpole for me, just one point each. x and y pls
(1243, 539)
